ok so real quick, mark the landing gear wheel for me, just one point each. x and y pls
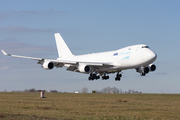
(143, 74)
(118, 77)
(93, 76)
(105, 77)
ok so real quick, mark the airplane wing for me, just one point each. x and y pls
(21, 56)
(41, 60)
(71, 65)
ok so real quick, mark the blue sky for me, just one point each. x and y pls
(28, 27)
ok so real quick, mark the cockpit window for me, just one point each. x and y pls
(145, 47)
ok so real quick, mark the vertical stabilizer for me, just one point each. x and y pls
(62, 48)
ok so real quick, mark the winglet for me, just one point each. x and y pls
(4, 52)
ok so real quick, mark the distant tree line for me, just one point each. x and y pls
(30, 90)
(85, 90)
(117, 91)
(34, 90)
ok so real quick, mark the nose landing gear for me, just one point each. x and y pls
(143, 71)
(142, 74)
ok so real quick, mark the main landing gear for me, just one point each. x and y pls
(118, 77)
(93, 76)
(104, 77)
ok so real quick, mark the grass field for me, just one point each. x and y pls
(70, 106)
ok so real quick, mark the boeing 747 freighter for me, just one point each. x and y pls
(139, 57)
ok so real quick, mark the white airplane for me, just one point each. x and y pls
(138, 57)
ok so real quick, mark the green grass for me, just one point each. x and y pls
(70, 106)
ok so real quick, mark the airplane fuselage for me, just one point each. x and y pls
(130, 57)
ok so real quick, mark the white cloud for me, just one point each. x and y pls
(2, 16)
(23, 13)
(19, 29)
(4, 68)
(21, 49)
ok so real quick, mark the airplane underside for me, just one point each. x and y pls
(96, 74)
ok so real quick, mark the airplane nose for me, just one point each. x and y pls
(150, 56)
(155, 55)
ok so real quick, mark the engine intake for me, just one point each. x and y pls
(84, 69)
(146, 70)
(48, 65)
(152, 67)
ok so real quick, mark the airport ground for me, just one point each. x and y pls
(71, 106)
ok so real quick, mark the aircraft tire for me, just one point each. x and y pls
(143, 74)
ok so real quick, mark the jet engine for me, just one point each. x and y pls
(84, 68)
(144, 70)
(152, 67)
(48, 65)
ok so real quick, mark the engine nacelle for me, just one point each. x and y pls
(84, 68)
(146, 70)
(48, 65)
(152, 67)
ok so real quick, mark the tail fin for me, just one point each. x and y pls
(62, 48)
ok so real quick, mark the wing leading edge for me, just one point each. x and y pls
(70, 64)
(33, 58)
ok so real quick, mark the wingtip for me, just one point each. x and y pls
(4, 52)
